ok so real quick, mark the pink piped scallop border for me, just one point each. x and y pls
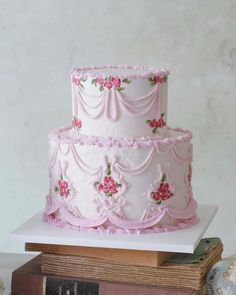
(147, 71)
(109, 228)
(60, 136)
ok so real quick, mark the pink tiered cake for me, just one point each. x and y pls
(119, 168)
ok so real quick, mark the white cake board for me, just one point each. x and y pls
(182, 241)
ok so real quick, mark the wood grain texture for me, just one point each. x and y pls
(132, 257)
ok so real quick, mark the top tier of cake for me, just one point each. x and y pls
(121, 101)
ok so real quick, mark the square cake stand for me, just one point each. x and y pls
(183, 241)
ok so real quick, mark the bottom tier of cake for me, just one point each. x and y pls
(120, 184)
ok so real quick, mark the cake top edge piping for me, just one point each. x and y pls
(185, 136)
(103, 71)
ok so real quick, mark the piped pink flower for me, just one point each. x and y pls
(76, 123)
(109, 185)
(100, 187)
(62, 188)
(108, 84)
(189, 176)
(116, 81)
(100, 80)
(76, 80)
(62, 184)
(158, 79)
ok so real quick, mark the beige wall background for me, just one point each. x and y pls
(41, 41)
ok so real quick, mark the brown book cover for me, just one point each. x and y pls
(171, 273)
(29, 280)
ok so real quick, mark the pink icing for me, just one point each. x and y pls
(83, 166)
(57, 213)
(180, 159)
(63, 135)
(136, 170)
(109, 103)
(145, 72)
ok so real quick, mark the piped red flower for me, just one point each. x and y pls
(110, 82)
(108, 186)
(99, 80)
(163, 192)
(157, 123)
(62, 188)
(157, 79)
(76, 123)
(77, 80)
(189, 176)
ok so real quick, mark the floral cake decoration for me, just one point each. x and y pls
(62, 187)
(157, 79)
(110, 82)
(155, 124)
(163, 192)
(108, 185)
(103, 83)
(76, 123)
(78, 80)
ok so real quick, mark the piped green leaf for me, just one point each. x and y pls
(93, 81)
(120, 88)
(154, 130)
(108, 171)
(148, 121)
(163, 178)
(127, 81)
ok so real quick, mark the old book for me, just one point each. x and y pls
(29, 280)
(171, 274)
(134, 257)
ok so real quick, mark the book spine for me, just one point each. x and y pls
(64, 286)
(23, 283)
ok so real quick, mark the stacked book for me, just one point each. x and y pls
(74, 270)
